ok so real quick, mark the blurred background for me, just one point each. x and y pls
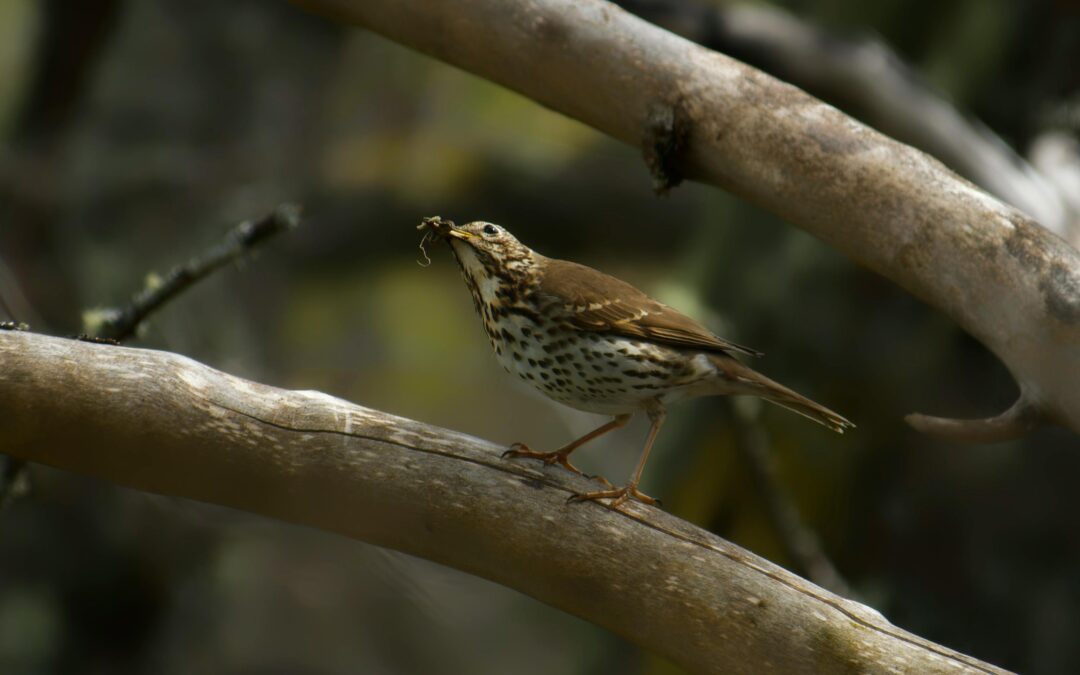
(137, 133)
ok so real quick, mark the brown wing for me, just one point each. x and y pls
(595, 301)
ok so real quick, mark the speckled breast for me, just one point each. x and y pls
(594, 372)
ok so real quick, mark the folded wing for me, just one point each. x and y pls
(595, 301)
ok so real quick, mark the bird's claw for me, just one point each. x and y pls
(517, 450)
(618, 496)
(557, 457)
(597, 477)
(549, 458)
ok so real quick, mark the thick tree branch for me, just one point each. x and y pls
(866, 78)
(1000, 275)
(163, 423)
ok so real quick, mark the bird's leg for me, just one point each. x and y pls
(617, 496)
(561, 456)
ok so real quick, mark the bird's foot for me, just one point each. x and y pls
(556, 457)
(549, 458)
(618, 496)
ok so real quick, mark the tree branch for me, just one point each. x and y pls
(999, 274)
(163, 423)
(866, 78)
(1016, 422)
(120, 323)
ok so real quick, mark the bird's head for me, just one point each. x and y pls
(483, 249)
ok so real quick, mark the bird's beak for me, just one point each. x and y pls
(459, 234)
(440, 228)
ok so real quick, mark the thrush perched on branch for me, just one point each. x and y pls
(595, 343)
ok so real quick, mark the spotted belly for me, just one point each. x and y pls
(595, 372)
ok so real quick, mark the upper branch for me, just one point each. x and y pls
(1000, 275)
(163, 423)
(865, 77)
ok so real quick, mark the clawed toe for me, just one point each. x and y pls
(517, 450)
(549, 458)
(597, 477)
(618, 496)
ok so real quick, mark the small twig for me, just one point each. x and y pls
(800, 544)
(1016, 422)
(121, 323)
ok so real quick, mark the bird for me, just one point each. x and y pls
(593, 342)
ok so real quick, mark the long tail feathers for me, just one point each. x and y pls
(751, 382)
(807, 408)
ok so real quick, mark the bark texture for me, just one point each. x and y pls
(163, 423)
(865, 77)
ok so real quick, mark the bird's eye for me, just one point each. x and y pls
(490, 229)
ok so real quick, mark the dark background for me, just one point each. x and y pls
(137, 133)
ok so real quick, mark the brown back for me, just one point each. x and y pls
(598, 302)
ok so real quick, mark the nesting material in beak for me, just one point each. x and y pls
(434, 229)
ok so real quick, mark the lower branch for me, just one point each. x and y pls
(163, 423)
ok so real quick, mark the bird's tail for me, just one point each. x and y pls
(746, 380)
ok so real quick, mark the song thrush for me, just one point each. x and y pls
(595, 343)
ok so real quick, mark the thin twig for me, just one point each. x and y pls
(801, 544)
(121, 323)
